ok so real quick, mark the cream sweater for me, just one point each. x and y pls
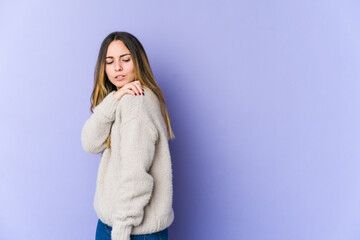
(134, 190)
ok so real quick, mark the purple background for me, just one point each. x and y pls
(263, 98)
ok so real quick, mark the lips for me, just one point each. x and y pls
(119, 76)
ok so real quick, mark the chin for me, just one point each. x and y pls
(119, 84)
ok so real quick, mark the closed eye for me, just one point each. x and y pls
(124, 60)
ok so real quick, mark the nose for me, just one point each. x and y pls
(118, 66)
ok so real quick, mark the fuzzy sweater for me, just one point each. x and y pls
(134, 190)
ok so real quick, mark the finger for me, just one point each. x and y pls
(130, 91)
(137, 87)
(141, 89)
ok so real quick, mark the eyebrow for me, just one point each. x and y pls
(120, 55)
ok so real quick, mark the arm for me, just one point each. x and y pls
(135, 185)
(97, 128)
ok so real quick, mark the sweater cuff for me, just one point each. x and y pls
(121, 232)
(108, 106)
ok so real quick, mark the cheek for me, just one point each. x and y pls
(132, 68)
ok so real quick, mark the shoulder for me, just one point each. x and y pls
(143, 106)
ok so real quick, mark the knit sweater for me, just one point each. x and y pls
(134, 190)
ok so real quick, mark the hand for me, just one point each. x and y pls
(133, 88)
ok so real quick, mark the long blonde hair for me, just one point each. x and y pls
(143, 73)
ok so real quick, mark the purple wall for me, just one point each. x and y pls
(264, 102)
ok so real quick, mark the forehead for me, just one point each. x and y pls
(116, 48)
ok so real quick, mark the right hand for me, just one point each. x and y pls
(129, 88)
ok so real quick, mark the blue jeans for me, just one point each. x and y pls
(103, 232)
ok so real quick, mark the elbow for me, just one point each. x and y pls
(89, 147)
(93, 149)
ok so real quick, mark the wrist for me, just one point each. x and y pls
(117, 95)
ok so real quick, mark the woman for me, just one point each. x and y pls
(130, 126)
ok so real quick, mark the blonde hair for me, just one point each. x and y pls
(143, 73)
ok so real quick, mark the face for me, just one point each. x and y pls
(119, 66)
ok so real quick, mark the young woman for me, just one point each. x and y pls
(130, 127)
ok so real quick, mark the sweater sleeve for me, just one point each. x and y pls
(97, 128)
(135, 185)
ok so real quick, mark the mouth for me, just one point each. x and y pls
(119, 77)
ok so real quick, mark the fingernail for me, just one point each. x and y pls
(135, 94)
